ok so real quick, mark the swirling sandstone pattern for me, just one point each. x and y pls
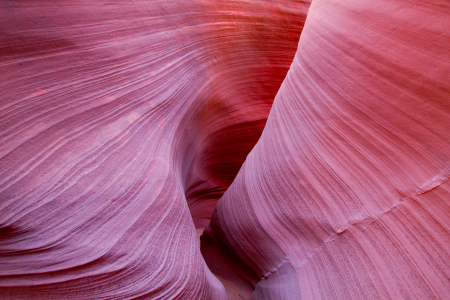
(112, 114)
(346, 195)
(122, 124)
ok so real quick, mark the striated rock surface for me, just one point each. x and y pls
(346, 195)
(121, 124)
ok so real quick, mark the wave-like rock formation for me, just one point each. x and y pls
(346, 195)
(121, 124)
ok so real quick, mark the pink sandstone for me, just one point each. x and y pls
(346, 194)
(123, 123)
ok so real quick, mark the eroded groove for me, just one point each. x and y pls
(112, 115)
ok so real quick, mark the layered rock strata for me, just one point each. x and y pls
(346, 195)
(121, 124)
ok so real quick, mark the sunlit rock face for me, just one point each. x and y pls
(346, 194)
(121, 124)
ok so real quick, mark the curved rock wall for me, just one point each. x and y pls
(112, 114)
(122, 124)
(346, 194)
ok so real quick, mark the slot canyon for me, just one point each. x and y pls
(235, 149)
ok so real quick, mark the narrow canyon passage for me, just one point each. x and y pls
(121, 126)
(323, 128)
(346, 194)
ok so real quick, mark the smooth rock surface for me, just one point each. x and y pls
(121, 124)
(346, 195)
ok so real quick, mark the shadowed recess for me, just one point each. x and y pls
(121, 125)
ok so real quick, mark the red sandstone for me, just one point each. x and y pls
(123, 123)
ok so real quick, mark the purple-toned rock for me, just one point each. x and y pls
(346, 194)
(121, 124)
